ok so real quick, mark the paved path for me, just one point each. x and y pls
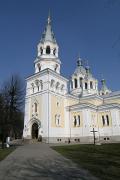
(39, 162)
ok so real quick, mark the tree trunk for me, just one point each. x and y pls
(3, 140)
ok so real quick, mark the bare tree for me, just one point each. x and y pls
(2, 120)
(12, 104)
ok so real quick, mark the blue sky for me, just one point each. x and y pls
(88, 27)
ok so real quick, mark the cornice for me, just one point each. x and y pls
(82, 106)
(109, 106)
(44, 72)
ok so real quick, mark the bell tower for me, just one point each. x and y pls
(47, 51)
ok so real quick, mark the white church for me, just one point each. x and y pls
(58, 110)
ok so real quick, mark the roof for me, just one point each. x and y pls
(48, 34)
(112, 94)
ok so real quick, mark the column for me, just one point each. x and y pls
(73, 83)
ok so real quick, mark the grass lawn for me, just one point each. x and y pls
(102, 161)
(5, 152)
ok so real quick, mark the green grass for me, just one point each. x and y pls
(5, 152)
(102, 161)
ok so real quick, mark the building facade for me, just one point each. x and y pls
(62, 110)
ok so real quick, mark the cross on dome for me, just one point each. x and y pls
(49, 18)
(79, 61)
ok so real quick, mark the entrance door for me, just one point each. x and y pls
(35, 131)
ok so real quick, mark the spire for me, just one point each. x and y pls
(48, 34)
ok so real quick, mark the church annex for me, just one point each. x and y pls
(59, 109)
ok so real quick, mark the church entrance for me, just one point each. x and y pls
(35, 131)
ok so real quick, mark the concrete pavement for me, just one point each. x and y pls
(39, 162)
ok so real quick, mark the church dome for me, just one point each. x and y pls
(104, 89)
(82, 81)
(80, 68)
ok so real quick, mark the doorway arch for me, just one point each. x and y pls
(35, 131)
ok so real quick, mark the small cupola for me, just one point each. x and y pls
(82, 82)
(104, 90)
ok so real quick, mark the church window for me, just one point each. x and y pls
(32, 87)
(52, 83)
(41, 84)
(41, 50)
(57, 104)
(37, 84)
(56, 66)
(35, 107)
(57, 120)
(107, 118)
(86, 85)
(78, 120)
(75, 121)
(57, 85)
(62, 87)
(81, 79)
(48, 50)
(54, 51)
(103, 120)
(75, 80)
(91, 85)
(38, 88)
(39, 67)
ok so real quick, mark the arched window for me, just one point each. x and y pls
(35, 107)
(62, 87)
(81, 81)
(78, 120)
(75, 121)
(52, 83)
(86, 85)
(57, 85)
(75, 80)
(57, 120)
(41, 50)
(56, 66)
(32, 87)
(39, 67)
(37, 84)
(41, 84)
(107, 118)
(48, 50)
(103, 120)
(91, 85)
(38, 88)
(54, 51)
